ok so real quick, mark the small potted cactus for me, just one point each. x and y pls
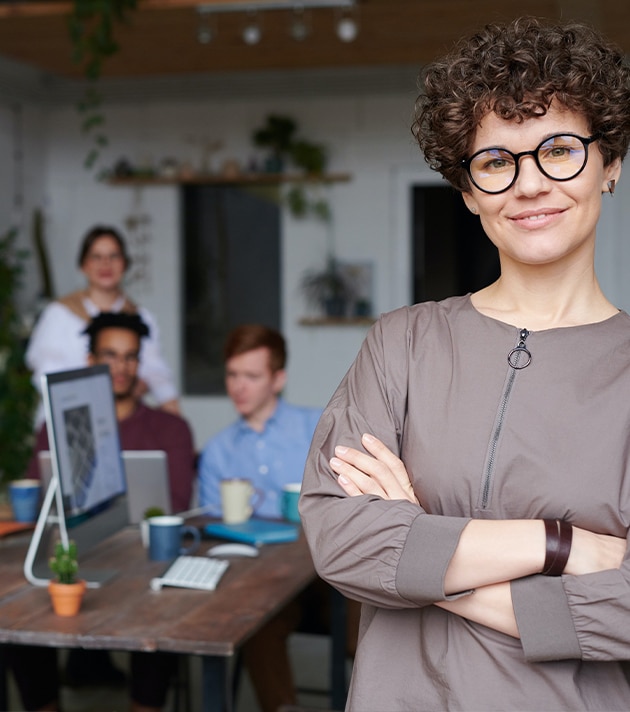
(66, 590)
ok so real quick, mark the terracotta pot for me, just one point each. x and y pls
(66, 597)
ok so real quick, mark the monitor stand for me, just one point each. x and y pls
(51, 520)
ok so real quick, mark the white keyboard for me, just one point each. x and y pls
(192, 572)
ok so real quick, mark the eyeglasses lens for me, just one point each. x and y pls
(559, 158)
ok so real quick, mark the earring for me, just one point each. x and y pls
(473, 210)
(611, 186)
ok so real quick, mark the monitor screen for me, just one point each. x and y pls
(84, 441)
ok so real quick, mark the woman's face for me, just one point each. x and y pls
(104, 264)
(540, 221)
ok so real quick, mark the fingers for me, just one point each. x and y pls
(355, 481)
(380, 472)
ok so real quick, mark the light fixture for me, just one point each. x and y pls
(205, 29)
(347, 25)
(252, 32)
(300, 26)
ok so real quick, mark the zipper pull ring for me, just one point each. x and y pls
(514, 357)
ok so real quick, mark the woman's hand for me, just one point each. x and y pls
(381, 472)
(592, 552)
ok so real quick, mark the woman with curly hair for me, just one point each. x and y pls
(469, 481)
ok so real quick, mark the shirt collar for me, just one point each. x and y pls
(244, 427)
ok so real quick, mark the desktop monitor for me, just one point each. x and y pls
(88, 474)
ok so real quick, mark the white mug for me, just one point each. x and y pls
(236, 500)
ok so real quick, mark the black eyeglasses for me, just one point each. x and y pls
(560, 157)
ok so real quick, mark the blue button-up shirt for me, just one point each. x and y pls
(269, 459)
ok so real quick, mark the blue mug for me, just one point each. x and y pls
(25, 498)
(165, 538)
(289, 502)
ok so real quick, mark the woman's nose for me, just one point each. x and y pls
(530, 180)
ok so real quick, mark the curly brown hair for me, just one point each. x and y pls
(516, 70)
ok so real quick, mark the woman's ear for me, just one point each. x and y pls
(612, 172)
(471, 203)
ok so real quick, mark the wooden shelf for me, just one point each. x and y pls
(241, 179)
(336, 321)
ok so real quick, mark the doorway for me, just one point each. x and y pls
(450, 253)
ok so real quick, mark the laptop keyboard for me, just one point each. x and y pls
(192, 572)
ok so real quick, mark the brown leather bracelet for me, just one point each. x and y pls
(559, 535)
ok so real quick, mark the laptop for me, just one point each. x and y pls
(147, 480)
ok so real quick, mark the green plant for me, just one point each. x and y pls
(18, 397)
(327, 288)
(91, 26)
(309, 156)
(153, 512)
(276, 134)
(64, 562)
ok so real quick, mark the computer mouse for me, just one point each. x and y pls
(233, 549)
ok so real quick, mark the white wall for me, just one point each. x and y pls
(368, 136)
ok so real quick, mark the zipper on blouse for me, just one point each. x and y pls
(518, 358)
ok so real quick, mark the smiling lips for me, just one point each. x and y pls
(539, 218)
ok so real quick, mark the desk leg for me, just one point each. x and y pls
(216, 692)
(338, 685)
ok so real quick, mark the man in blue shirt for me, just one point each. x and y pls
(269, 442)
(267, 445)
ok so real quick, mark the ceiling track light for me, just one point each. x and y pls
(206, 31)
(300, 25)
(347, 26)
(252, 30)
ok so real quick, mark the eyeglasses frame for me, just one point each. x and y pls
(586, 142)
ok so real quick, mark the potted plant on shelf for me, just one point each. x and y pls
(277, 135)
(66, 590)
(328, 289)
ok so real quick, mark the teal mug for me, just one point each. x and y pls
(289, 502)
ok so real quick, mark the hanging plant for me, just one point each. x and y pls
(91, 26)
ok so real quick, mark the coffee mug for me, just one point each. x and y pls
(289, 501)
(236, 500)
(165, 538)
(25, 497)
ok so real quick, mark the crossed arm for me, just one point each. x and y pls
(490, 553)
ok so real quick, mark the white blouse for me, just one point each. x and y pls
(58, 344)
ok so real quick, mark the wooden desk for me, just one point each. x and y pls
(126, 615)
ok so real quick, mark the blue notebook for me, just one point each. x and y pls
(254, 531)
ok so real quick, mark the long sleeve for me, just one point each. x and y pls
(181, 464)
(389, 553)
(584, 617)
(56, 343)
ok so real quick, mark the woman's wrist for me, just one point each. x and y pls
(558, 540)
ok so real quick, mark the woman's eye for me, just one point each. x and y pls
(495, 163)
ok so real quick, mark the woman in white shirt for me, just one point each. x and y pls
(58, 342)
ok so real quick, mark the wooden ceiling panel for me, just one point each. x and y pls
(161, 38)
